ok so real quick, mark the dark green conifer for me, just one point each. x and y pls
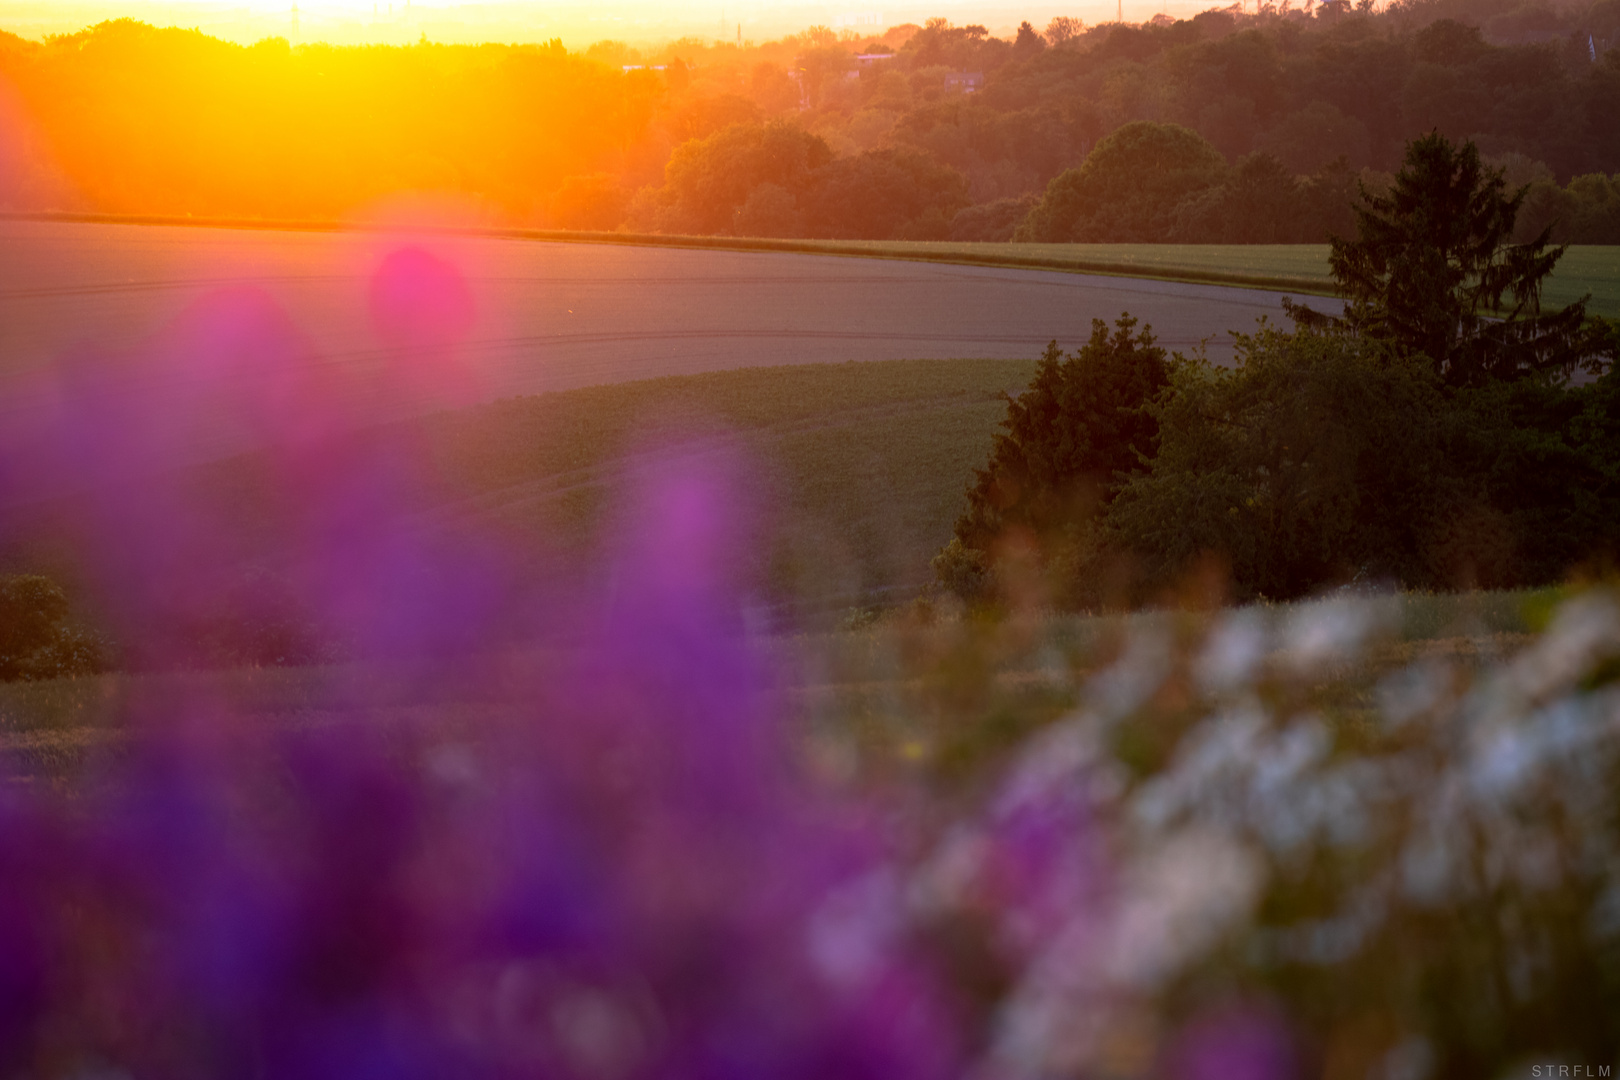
(1067, 445)
(1433, 272)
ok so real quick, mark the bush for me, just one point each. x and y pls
(36, 639)
(1532, 482)
(1324, 459)
(1315, 461)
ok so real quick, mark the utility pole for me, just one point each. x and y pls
(1120, 17)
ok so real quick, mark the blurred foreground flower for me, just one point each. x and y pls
(1244, 848)
(630, 880)
(627, 877)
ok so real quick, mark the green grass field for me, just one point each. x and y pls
(1584, 269)
(859, 469)
(1303, 267)
(864, 464)
(1587, 269)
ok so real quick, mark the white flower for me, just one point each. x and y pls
(1233, 652)
(1138, 673)
(1332, 631)
(1178, 900)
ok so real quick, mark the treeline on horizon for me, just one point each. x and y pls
(1228, 127)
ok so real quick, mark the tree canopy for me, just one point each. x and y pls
(1426, 438)
(708, 180)
(1127, 190)
(776, 179)
(128, 118)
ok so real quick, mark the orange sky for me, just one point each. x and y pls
(577, 22)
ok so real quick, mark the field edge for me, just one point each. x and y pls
(860, 249)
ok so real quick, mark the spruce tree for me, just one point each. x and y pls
(1432, 271)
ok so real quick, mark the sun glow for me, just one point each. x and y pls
(577, 22)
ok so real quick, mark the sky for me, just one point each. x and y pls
(577, 22)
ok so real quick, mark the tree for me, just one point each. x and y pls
(821, 65)
(991, 221)
(677, 74)
(1262, 202)
(1029, 41)
(1585, 212)
(964, 48)
(1325, 457)
(588, 202)
(36, 639)
(708, 180)
(1065, 448)
(1433, 272)
(1063, 28)
(772, 89)
(1128, 189)
(1315, 135)
(1533, 482)
(875, 195)
(770, 211)
(1314, 462)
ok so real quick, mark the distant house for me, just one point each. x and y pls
(866, 60)
(965, 82)
(802, 85)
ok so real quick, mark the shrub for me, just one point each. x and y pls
(1324, 458)
(1313, 462)
(1532, 482)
